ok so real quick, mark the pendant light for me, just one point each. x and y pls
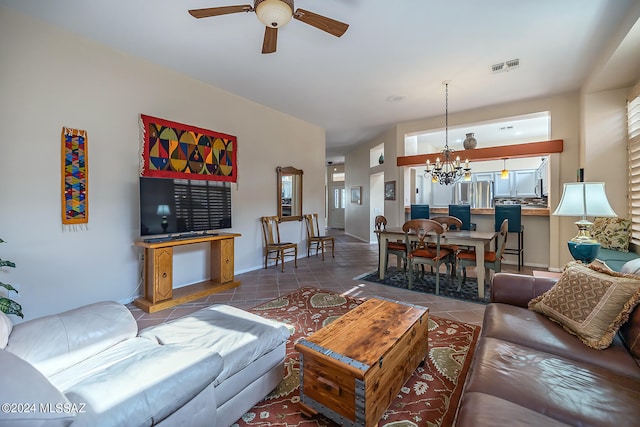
(505, 172)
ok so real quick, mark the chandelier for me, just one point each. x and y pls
(448, 171)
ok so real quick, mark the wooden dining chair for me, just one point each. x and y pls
(492, 259)
(315, 238)
(273, 247)
(397, 248)
(416, 232)
(449, 223)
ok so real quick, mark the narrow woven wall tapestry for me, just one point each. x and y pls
(75, 204)
(176, 150)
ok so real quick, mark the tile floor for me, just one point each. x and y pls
(353, 258)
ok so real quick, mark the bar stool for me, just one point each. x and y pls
(514, 214)
(462, 212)
(419, 211)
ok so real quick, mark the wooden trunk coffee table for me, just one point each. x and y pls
(352, 369)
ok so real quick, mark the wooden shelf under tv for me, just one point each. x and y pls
(159, 293)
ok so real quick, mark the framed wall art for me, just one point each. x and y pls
(390, 190)
(356, 194)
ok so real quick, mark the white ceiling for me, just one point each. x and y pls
(392, 50)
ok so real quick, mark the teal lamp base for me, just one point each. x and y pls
(584, 252)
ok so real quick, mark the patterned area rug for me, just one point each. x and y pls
(430, 397)
(427, 284)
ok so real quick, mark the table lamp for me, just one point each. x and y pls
(163, 211)
(584, 199)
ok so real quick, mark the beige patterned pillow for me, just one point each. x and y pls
(590, 303)
(612, 233)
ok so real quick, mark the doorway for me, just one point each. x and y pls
(336, 209)
(336, 197)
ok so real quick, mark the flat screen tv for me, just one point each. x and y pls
(178, 206)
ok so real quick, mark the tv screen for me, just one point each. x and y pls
(170, 206)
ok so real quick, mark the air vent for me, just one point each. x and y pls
(505, 66)
(496, 68)
(513, 63)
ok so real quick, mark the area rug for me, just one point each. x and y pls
(430, 397)
(427, 284)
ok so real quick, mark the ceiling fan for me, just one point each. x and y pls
(275, 14)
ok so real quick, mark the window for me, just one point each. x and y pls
(633, 125)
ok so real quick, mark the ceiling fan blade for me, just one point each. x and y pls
(216, 11)
(270, 40)
(323, 23)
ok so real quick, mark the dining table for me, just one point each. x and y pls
(479, 240)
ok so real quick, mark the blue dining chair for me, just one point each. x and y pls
(419, 211)
(463, 212)
(514, 214)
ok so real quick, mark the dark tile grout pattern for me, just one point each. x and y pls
(353, 258)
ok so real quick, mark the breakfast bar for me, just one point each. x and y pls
(536, 232)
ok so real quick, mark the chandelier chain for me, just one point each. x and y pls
(449, 170)
(446, 116)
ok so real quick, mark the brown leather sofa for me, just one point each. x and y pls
(528, 371)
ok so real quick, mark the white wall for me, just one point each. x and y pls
(359, 218)
(604, 150)
(565, 124)
(50, 78)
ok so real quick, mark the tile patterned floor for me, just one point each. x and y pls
(353, 258)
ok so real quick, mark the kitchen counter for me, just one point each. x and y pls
(490, 211)
(535, 221)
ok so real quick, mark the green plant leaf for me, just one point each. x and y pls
(10, 307)
(8, 287)
(4, 263)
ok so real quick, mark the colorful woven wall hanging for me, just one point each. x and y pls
(176, 150)
(75, 204)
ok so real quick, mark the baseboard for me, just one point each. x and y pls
(357, 237)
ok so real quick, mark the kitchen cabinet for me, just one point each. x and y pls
(525, 183)
(501, 187)
(483, 176)
(543, 174)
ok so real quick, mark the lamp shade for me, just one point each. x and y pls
(274, 13)
(584, 199)
(163, 210)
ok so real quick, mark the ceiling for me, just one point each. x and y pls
(390, 64)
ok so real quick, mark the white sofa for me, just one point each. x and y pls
(92, 367)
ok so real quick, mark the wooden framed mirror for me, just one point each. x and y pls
(289, 193)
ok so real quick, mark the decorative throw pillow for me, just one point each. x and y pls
(590, 302)
(6, 326)
(612, 233)
(601, 264)
(631, 267)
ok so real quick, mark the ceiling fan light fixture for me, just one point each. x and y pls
(274, 13)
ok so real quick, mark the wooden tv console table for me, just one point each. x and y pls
(158, 272)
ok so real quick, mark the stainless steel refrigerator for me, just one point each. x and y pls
(482, 196)
(462, 193)
(478, 194)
